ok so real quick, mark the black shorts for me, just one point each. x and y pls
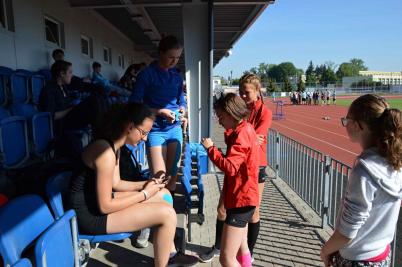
(239, 217)
(90, 221)
(262, 175)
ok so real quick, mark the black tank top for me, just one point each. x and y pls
(84, 181)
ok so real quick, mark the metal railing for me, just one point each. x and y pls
(317, 178)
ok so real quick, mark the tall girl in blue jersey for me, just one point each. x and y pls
(160, 87)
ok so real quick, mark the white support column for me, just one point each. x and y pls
(198, 34)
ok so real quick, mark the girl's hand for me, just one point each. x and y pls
(261, 139)
(152, 188)
(168, 114)
(207, 142)
(326, 258)
(182, 110)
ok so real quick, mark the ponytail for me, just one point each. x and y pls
(384, 123)
(390, 136)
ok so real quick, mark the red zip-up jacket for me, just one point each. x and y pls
(240, 185)
(261, 118)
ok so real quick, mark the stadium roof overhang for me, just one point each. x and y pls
(145, 21)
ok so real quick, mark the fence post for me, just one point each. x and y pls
(325, 204)
(393, 250)
(277, 155)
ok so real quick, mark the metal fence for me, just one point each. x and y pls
(317, 178)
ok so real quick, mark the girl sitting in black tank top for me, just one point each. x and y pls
(106, 204)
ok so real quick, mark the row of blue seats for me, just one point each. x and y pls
(27, 222)
(24, 130)
(31, 130)
(20, 86)
(35, 222)
(22, 137)
(193, 185)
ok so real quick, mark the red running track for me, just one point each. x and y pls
(306, 125)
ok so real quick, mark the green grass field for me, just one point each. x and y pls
(394, 102)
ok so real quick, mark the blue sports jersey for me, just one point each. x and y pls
(159, 89)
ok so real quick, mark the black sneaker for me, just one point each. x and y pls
(209, 255)
(183, 260)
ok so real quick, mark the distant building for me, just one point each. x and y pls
(385, 77)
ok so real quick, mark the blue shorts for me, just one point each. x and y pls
(163, 138)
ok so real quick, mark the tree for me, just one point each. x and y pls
(271, 87)
(254, 70)
(350, 68)
(277, 73)
(289, 68)
(328, 76)
(235, 81)
(345, 70)
(358, 64)
(300, 85)
(319, 71)
(262, 71)
(287, 87)
(311, 78)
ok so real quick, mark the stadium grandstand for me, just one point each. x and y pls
(103, 43)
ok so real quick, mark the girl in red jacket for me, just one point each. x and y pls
(240, 187)
(260, 117)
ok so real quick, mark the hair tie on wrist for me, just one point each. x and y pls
(145, 194)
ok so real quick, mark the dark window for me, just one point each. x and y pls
(3, 14)
(52, 31)
(85, 45)
(7, 15)
(107, 55)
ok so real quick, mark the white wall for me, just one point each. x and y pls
(27, 48)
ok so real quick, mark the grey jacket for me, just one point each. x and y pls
(371, 207)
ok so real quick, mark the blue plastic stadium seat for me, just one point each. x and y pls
(22, 263)
(24, 71)
(14, 141)
(58, 245)
(46, 73)
(58, 185)
(42, 132)
(19, 86)
(22, 220)
(5, 74)
(24, 110)
(202, 161)
(4, 113)
(37, 83)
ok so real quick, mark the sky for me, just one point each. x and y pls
(321, 30)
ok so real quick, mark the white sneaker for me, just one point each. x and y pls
(142, 239)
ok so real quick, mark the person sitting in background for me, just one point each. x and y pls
(55, 98)
(77, 83)
(58, 54)
(97, 78)
(130, 76)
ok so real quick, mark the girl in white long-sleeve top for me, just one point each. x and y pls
(367, 219)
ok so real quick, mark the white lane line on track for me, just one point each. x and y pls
(304, 116)
(319, 140)
(341, 135)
